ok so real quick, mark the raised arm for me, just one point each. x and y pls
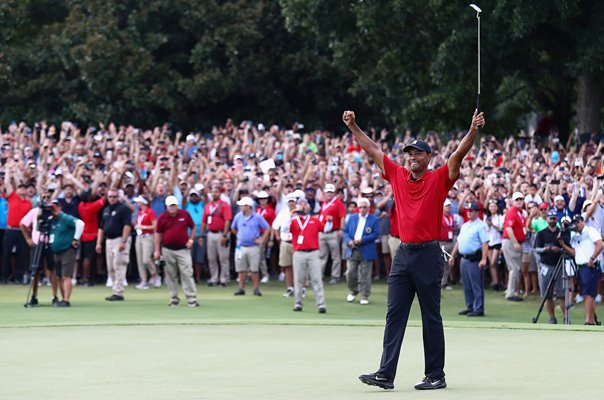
(365, 142)
(454, 162)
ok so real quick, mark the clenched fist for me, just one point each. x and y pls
(477, 120)
(348, 118)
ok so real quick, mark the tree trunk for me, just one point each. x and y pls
(589, 102)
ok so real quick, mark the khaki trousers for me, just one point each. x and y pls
(358, 274)
(144, 246)
(448, 246)
(307, 266)
(179, 264)
(329, 244)
(512, 260)
(117, 263)
(393, 244)
(218, 258)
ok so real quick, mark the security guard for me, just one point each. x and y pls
(472, 245)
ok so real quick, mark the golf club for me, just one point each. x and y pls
(478, 11)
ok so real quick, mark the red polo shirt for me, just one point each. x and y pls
(393, 221)
(419, 203)
(309, 230)
(89, 213)
(17, 209)
(516, 220)
(267, 213)
(145, 218)
(175, 230)
(221, 213)
(336, 208)
(448, 228)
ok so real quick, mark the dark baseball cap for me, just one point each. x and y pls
(419, 145)
(473, 206)
(552, 213)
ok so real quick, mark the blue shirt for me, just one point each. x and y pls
(248, 229)
(471, 237)
(196, 212)
(3, 212)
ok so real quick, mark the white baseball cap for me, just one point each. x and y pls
(329, 188)
(199, 187)
(193, 192)
(559, 198)
(586, 204)
(517, 195)
(299, 193)
(140, 199)
(171, 201)
(262, 195)
(291, 197)
(246, 201)
(367, 190)
(447, 203)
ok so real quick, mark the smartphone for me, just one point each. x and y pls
(555, 181)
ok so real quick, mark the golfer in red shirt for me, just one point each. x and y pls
(418, 265)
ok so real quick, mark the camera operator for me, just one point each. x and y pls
(547, 240)
(586, 245)
(39, 218)
(64, 240)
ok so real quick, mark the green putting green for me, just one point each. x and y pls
(239, 347)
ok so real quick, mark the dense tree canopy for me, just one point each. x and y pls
(399, 63)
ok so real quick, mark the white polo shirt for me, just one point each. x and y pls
(584, 244)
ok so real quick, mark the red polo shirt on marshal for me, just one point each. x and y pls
(516, 220)
(215, 214)
(305, 232)
(175, 229)
(336, 208)
(17, 209)
(419, 203)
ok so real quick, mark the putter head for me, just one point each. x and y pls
(477, 9)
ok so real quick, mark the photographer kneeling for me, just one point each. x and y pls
(586, 245)
(65, 236)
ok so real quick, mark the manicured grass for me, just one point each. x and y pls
(241, 347)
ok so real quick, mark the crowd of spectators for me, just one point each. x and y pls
(78, 167)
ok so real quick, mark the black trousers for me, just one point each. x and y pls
(415, 270)
(14, 237)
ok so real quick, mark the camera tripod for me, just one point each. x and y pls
(35, 263)
(565, 269)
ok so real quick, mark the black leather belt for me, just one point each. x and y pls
(420, 245)
(307, 251)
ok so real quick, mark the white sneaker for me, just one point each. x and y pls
(264, 279)
(142, 286)
(350, 298)
(74, 281)
(281, 276)
(364, 302)
(303, 292)
(599, 299)
(289, 292)
(157, 282)
(579, 299)
(125, 283)
(109, 282)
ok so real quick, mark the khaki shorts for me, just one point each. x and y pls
(65, 262)
(286, 254)
(385, 246)
(247, 259)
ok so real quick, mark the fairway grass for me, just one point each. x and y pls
(249, 347)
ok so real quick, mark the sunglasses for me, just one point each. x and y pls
(112, 197)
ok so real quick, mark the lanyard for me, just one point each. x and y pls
(302, 227)
(450, 222)
(326, 206)
(141, 216)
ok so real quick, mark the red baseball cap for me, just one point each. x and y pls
(544, 206)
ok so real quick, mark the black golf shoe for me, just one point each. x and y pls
(431, 383)
(378, 380)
